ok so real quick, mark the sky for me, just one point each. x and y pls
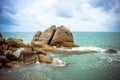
(77, 15)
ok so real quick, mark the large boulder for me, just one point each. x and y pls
(111, 51)
(61, 35)
(45, 59)
(47, 35)
(12, 64)
(27, 56)
(15, 42)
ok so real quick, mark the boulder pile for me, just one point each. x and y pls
(36, 51)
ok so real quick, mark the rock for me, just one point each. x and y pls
(53, 36)
(69, 44)
(61, 35)
(38, 46)
(45, 58)
(47, 35)
(1, 51)
(1, 66)
(4, 60)
(28, 47)
(12, 48)
(15, 42)
(27, 56)
(12, 57)
(12, 64)
(111, 51)
(41, 52)
(36, 36)
(4, 47)
(8, 52)
(1, 35)
(2, 41)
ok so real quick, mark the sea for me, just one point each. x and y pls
(89, 66)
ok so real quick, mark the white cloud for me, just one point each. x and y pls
(78, 15)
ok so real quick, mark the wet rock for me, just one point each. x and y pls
(111, 51)
(61, 35)
(12, 48)
(15, 42)
(4, 60)
(12, 57)
(28, 47)
(8, 52)
(1, 35)
(45, 58)
(27, 56)
(12, 64)
(4, 47)
(69, 44)
(2, 41)
(41, 52)
(38, 46)
(1, 51)
(1, 66)
(47, 35)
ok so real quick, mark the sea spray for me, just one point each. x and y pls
(58, 62)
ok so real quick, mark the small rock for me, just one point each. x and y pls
(2, 41)
(12, 48)
(1, 65)
(111, 51)
(1, 35)
(12, 64)
(4, 61)
(12, 57)
(8, 52)
(45, 58)
(41, 52)
(27, 56)
(69, 44)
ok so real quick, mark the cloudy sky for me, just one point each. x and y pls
(77, 15)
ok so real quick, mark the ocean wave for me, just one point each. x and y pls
(84, 50)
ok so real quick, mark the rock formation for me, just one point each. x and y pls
(60, 36)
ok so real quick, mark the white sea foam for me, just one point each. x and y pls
(58, 62)
(82, 50)
(89, 48)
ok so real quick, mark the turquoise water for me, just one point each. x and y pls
(93, 66)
